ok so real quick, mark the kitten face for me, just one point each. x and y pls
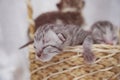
(104, 32)
(70, 5)
(47, 44)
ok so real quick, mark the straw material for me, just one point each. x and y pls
(30, 20)
(71, 66)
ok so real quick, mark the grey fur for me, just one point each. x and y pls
(103, 32)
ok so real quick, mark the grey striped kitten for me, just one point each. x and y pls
(103, 32)
(50, 39)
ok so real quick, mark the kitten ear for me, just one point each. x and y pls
(53, 37)
(61, 37)
(81, 3)
(60, 5)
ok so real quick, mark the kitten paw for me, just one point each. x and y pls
(89, 57)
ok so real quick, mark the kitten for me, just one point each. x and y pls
(100, 10)
(64, 15)
(59, 18)
(102, 32)
(50, 39)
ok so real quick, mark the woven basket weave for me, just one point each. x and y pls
(70, 64)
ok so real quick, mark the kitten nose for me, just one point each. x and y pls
(38, 54)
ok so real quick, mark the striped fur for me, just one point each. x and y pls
(50, 39)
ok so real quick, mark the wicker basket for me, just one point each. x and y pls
(70, 64)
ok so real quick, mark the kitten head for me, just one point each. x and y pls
(105, 32)
(70, 5)
(47, 43)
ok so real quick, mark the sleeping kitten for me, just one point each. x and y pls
(50, 39)
(100, 10)
(103, 32)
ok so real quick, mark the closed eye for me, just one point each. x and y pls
(54, 52)
(52, 46)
